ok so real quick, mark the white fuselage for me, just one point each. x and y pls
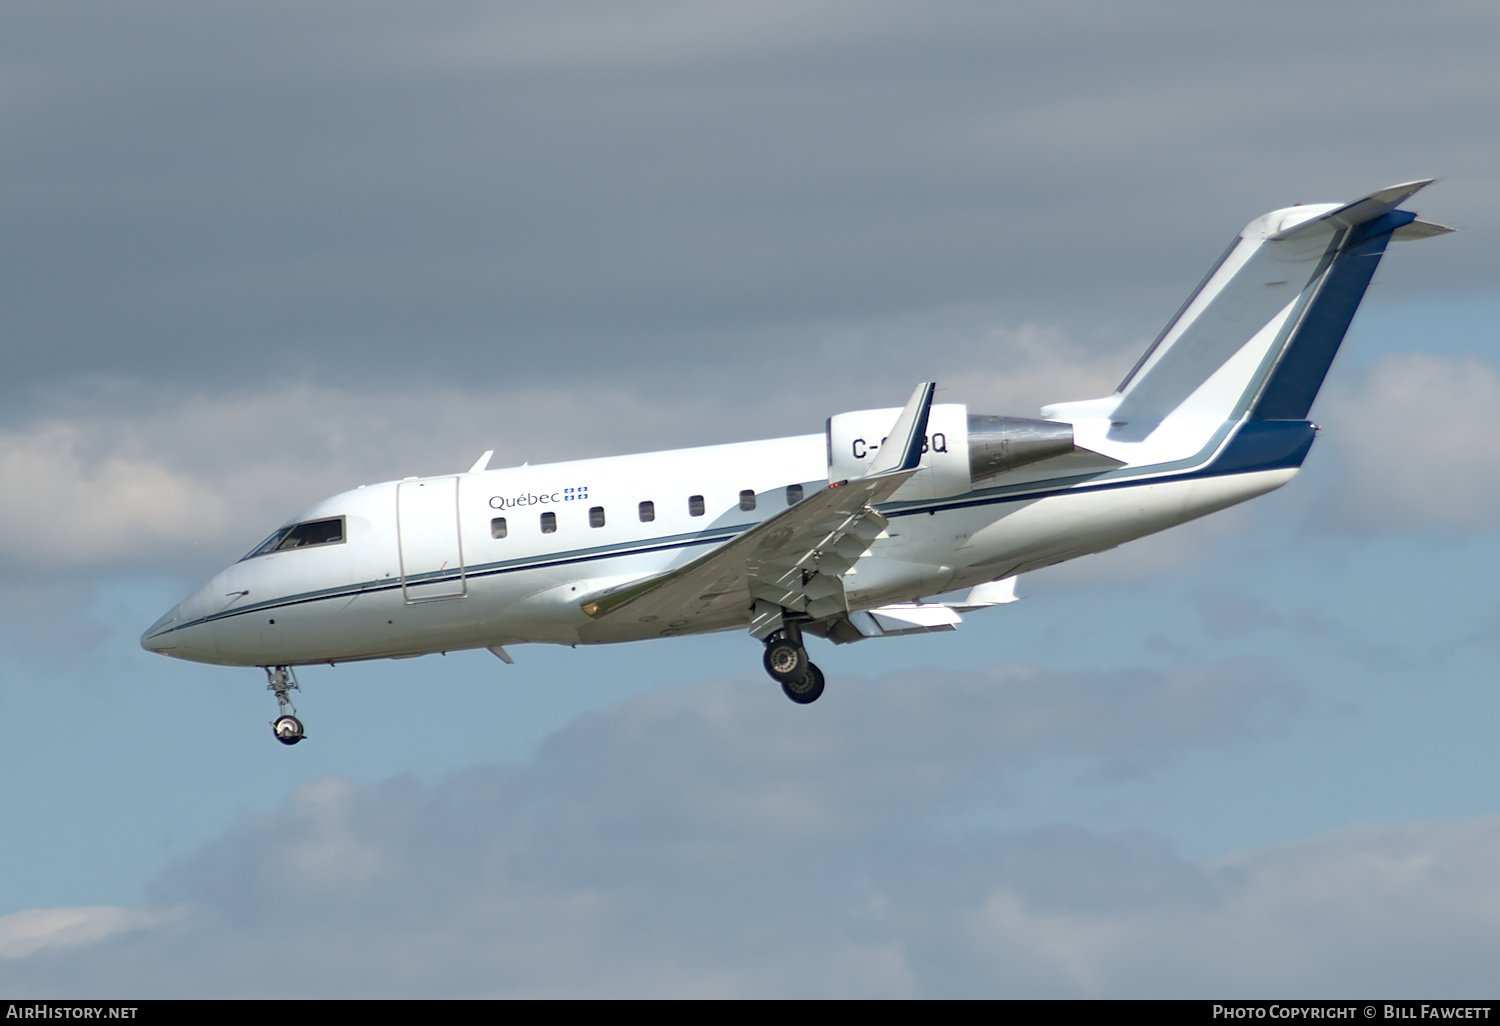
(421, 569)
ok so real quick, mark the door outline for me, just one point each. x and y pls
(417, 496)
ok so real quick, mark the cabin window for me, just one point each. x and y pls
(747, 499)
(301, 536)
(596, 516)
(497, 527)
(695, 505)
(793, 494)
(549, 523)
(648, 511)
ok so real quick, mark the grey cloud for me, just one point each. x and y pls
(368, 192)
(713, 842)
(1417, 439)
(128, 478)
(253, 254)
(703, 841)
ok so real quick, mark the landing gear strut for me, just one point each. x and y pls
(282, 682)
(787, 663)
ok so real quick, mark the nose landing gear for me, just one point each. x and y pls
(288, 730)
(787, 663)
(282, 682)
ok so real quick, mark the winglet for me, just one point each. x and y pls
(483, 462)
(902, 448)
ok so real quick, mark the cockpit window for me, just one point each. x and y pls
(300, 536)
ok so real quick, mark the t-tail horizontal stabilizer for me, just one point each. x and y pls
(1256, 338)
(1304, 220)
(928, 617)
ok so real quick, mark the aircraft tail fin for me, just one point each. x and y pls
(1257, 336)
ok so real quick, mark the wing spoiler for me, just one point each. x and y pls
(796, 559)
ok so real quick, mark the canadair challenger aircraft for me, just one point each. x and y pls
(890, 522)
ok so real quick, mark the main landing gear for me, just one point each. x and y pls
(787, 663)
(286, 726)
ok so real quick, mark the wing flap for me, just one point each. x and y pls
(795, 560)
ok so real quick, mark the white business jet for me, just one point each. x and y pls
(890, 522)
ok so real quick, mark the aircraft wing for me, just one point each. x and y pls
(795, 560)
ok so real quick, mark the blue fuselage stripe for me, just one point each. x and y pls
(1256, 446)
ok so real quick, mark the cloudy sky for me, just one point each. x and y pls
(254, 254)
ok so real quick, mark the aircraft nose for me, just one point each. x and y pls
(156, 638)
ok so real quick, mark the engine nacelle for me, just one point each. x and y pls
(998, 445)
(962, 451)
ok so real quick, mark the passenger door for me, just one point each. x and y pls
(432, 555)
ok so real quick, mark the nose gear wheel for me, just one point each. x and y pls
(282, 682)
